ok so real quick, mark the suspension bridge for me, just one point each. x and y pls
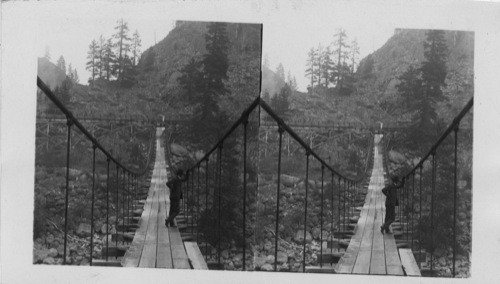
(356, 211)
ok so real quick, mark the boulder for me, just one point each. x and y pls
(83, 230)
(282, 257)
(178, 150)
(40, 255)
(53, 252)
(270, 259)
(396, 157)
(49, 260)
(267, 267)
(289, 181)
(198, 155)
(259, 261)
(299, 237)
(225, 254)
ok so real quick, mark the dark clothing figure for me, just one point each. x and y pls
(391, 202)
(175, 186)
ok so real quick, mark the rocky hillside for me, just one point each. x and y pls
(378, 72)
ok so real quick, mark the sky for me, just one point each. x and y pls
(287, 38)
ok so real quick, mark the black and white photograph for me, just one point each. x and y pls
(248, 141)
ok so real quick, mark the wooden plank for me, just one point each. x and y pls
(195, 256)
(377, 265)
(179, 255)
(362, 265)
(163, 252)
(148, 257)
(133, 254)
(409, 264)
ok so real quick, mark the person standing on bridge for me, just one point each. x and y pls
(175, 186)
(391, 201)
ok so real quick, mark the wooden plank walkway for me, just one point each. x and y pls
(155, 245)
(370, 251)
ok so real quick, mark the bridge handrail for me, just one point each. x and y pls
(407, 193)
(246, 113)
(72, 120)
(454, 124)
(127, 182)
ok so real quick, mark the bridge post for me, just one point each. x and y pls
(69, 123)
(280, 131)
(340, 206)
(420, 218)
(206, 205)
(455, 199)
(308, 153)
(432, 206)
(412, 212)
(107, 208)
(219, 205)
(92, 206)
(198, 207)
(331, 224)
(117, 209)
(321, 218)
(245, 125)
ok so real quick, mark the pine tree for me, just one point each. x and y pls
(122, 40)
(61, 63)
(191, 80)
(328, 67)
(311, 62)
(319, 63)
(341, 52)
(291, 81)
(354, 54)
(76, 79)
(92, 57)
(280, 71)
(136, 47)
(280, 102)
(433, 72)
(108, 59)
(100, 56)
(421, 89)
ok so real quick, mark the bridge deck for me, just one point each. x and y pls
(370, 251)
(155, 245)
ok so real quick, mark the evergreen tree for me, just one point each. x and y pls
(421, 90)
(121, 45)
(191, 80)
(341, 51)
(92, 57)
(136, 47)
(327, 67)
(433, 72)
(280, 102)
(280, 71)
(311, 62)
(76, 80)
(61, 63)
(100, 56)
(354, 54)
(108, 59)
(319, 63)
(291, 81)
